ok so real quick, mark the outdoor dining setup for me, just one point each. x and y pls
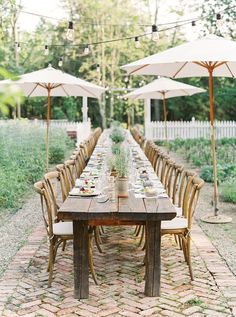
(115, 178)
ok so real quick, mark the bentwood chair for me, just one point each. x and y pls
(181, 226)
(57, 232)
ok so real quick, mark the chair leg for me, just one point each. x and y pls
(64, 245)
(50, 264)
(142, 236)
(138, 231)
(102, 229)
(188, 244)
(135, 230)
(184, 248)
(91, 266)
(97, 242)
(180, 243)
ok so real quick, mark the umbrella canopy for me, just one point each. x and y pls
(53, 82)
(209, 56)
(37, 83)
(164, 88)
(190, 60)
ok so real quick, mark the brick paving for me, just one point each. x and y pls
(120, 270)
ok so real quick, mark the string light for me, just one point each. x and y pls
(70, 34)
(46, 50)
(154, 31)
(126, 79)
(219, 21)
(17, 47)
(86, 50)
(137, 43)
(98, 68)
(155, 34)
(60, 63)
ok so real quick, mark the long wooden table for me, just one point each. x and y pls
(125, 211)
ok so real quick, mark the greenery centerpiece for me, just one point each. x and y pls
(121, 167)
(117, 135)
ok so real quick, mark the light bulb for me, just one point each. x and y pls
(107, 96)
(70, 34)
(155, 34)
(219, 21)
(60, 63)
(126, 79)
(98, 68)
(46, 50)
(137, 43)
(86, 50)
(17, 47)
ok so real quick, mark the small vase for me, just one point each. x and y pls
(122, 184)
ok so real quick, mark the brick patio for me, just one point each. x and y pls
(24, 292)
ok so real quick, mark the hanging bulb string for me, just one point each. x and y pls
(124, 25)
(87, 45)
(111, 40)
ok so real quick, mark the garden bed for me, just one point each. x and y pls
(198, 152)
(23, 159)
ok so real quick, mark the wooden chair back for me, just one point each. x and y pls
(195, 188)
(46, 206)
(56, 188)
(70, 166)
(185, 188)
(176, 177)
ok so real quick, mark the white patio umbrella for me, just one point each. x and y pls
(209, 56)
(164, 88)
(53, 82)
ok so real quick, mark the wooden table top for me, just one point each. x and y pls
(123, 209)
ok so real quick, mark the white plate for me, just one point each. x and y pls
(77, 192)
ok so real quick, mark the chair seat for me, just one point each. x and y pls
(176, 223)
(63, 228)
(179, 211)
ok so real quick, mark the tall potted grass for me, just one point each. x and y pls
(121, 167)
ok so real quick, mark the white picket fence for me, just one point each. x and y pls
(155, 130)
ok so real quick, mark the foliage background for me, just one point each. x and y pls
(109, 19)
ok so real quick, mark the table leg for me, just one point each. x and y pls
(81, 265)
(153, 258)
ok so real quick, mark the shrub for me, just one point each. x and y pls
(23, 158)
(224, 172)
(56, 154)
(228, 191)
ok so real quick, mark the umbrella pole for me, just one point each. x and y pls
(165, 119)
(216, 218)
(213, 149)
(48, 125)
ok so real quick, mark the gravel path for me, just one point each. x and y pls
(223, 236)
(15, 228)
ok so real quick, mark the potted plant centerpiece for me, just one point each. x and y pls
(121, 167)
(117, 135)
